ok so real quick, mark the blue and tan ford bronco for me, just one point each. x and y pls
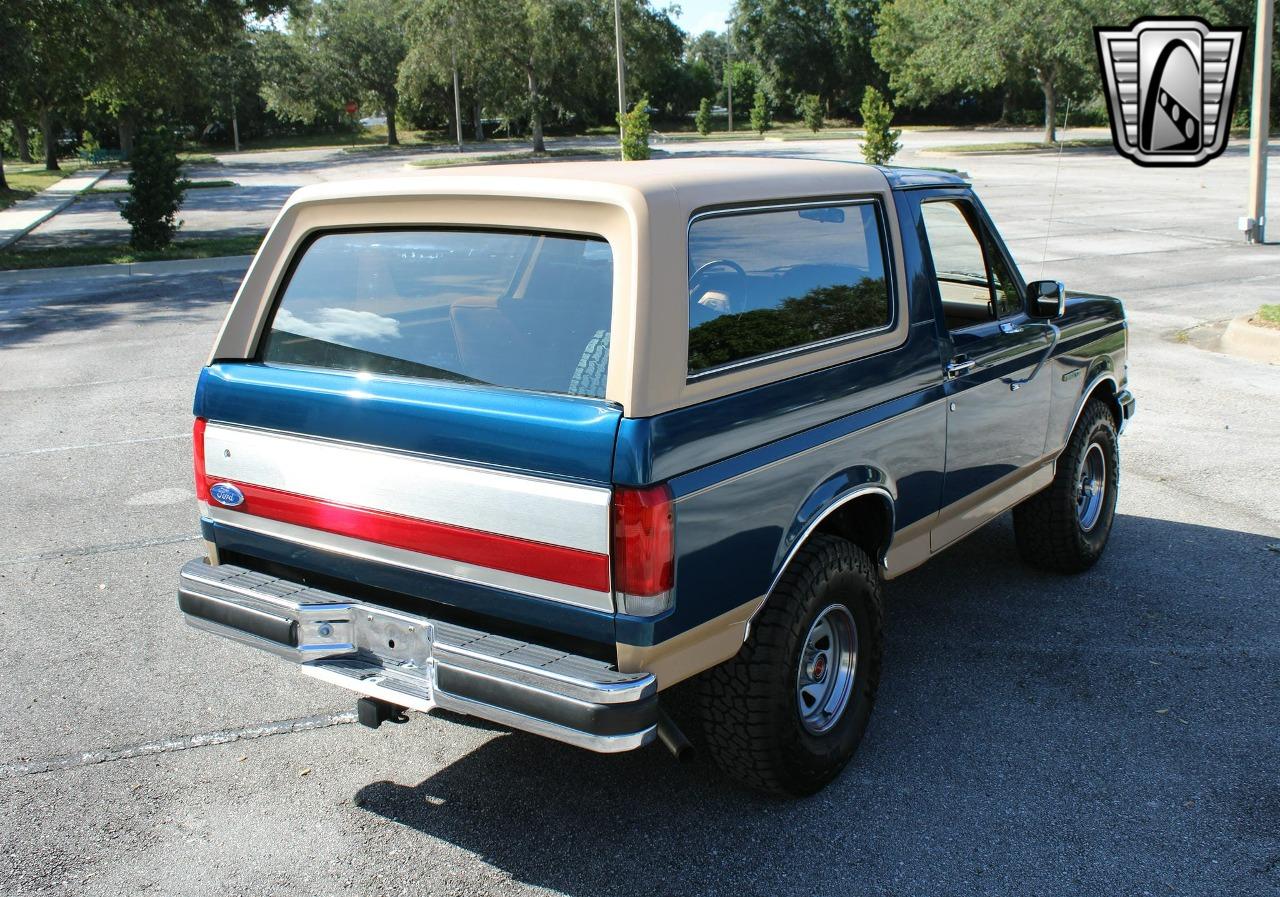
(538, 443)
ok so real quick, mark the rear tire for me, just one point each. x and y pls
(787, 713)
(1065, 527)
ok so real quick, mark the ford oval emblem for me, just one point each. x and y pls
(226, 494)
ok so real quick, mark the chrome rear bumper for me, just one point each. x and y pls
(421, 664)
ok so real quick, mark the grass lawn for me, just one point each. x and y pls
(1268, 316)
(527, 156)
(194, 185)
(370, 138)
(121, 254)
(1020, 146)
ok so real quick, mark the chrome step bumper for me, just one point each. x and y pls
(422, 664)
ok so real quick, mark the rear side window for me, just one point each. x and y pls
(523, 310)
(765, 282)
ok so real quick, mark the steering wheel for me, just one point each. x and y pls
(704, 270)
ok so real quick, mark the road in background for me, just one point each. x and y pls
(1112, 733)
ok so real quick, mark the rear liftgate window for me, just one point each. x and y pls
(529, 311)
(766, 282)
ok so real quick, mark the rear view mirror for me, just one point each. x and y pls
(825, 214)
(1046, 299)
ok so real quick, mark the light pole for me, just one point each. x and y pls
(728, 66)
(1260, 123)
(622, 74)
(457, 103)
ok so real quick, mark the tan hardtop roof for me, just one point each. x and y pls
(692, 183)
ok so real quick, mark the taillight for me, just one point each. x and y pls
(643, 550)
(197, 440)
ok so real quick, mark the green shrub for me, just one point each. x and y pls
(703, 118)
(880, 142)
(156, 188)
(89, 145)
(761, 114)
(811, 112)
(635, 131)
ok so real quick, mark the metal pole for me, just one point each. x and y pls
(728, 68)
(457, 106)
(1260, 122)
(622, 72)
(235, 119)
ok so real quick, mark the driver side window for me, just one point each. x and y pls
(974, 282)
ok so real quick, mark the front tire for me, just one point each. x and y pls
(1065, 527)
(787, 713)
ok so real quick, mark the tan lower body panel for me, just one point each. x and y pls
(689, 653)
(963, 517)
(915, 544)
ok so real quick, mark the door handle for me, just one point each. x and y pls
(959, 366)
(1010, 327)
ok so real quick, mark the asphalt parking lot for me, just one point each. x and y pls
(1112, 733)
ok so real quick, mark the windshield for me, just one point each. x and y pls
(522, 310)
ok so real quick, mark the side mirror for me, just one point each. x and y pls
(1046, 299)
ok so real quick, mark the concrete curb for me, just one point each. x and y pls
(1249, 341)
(69, 197)
(134, 269)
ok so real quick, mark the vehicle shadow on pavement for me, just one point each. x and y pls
(1112, 732)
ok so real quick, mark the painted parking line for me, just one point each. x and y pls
(91, 550)
(174, 743)
(90, 445)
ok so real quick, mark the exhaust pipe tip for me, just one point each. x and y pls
(674, 739)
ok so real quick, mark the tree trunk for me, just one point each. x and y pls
(127, 128)
(1006, 105)
(50, 140)
(23, 138)
(4, 185)
(391, 103)
(1050, 109)
(476, 113)
(535, 106)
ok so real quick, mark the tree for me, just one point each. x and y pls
(811, 112)
(148, 60)
(932, 47)
(746, 79)
(791, 42)
(761, 114)
(11, 65)
(156, 190)
(333, 52)
(880, 141)
(703, 118)
(711, 49)
(544, 56)
(635, 131)
(364, 40)
(60, 43)
(810, 46)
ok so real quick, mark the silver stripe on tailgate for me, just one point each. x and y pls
(511, 504)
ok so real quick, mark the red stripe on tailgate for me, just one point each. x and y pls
(555, 563)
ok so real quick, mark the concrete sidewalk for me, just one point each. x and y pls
(22, 217)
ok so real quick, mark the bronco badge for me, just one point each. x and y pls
(1170, 85)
